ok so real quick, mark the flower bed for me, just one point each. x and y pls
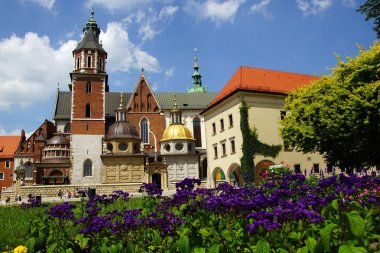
(288, 214)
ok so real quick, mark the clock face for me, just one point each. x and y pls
(123, 146)
(167, 147)
(179, 146)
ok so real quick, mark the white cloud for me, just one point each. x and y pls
(150, 22)
(314, 6)
(124, 55)
(261, 7)
(12, 132)
(349, 3)
(113, 5)
(48, 4)
(30, 69)
(216, 10)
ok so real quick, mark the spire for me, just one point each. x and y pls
(176, 114)
(197, 78)
(91, 33)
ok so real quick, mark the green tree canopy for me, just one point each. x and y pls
(371, 8)
(339, 114)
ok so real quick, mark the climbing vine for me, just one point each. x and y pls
(251, 146)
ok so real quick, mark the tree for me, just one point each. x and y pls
(339, 114)
(251, 146)
(371, 8)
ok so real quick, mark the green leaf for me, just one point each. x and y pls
(326, 235)
(351, 249)
(357, 224)
(281, 250)
(205, 232)
(227, 235)
(82, 241)
(130, 247)
(214, 248)
(52, 247)
(334, 204)
(310, 243)
(69, 250)
(302, 250)
(184, 244)
(30, 243)
(262, 246)
(295, 235)
(199, 250)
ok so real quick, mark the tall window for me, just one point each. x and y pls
(231, 120)
(100, 63)
(89, 61)
(233, 146)
(316, 167)
(197, 132)
(1, 176)
(87, 168)
(88, 87)
(213, 128)
(7, 164)
(221, 125)
(144, 134)
(88, 111)
(297, 168)
(215, 152)
(78, 63)
(224, 149)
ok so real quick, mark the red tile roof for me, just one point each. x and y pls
(8, 145)
(262, 80)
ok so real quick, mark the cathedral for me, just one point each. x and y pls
(99, 138)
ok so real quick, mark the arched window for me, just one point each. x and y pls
(78, 63)
(87, 168)
(88, 87)
(197, 132)
(88, 111)
(28, 169)
(144, 130)
(67, 128)
(89, 61)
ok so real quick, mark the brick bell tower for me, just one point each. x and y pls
(89, 84)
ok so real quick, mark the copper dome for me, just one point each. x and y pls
(122, 129)
(58, 139)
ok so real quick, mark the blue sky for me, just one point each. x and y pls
(37, 38)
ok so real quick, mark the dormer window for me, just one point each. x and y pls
(89, 59)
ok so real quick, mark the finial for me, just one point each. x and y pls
(142, 70)
(175, 101)
(195, 58)
(92, 12)
(121, 99)
(58, 86)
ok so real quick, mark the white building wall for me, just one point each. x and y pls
(86, 147)
(181, 167)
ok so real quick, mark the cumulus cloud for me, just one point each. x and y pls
(151, 22)
(30, 69)
(114, 5)
(215, 10)
(124, 55)
(261, 7)
(48, 4)
(313, 6)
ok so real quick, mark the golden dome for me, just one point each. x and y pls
(177, 131)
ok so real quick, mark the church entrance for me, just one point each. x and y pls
(156, 178)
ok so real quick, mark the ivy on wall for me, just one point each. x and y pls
(251, 146)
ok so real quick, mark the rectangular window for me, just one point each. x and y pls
(297, 168)
(7, 164)
(215, 152)
(316, 167)
(233, 147)
(1, 176)
(221, 125)
(231, 120)
(88, 87)
(224, 149)
(213, 128)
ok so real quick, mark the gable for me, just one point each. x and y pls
(143, 99)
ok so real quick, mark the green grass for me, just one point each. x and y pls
(15, 222)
